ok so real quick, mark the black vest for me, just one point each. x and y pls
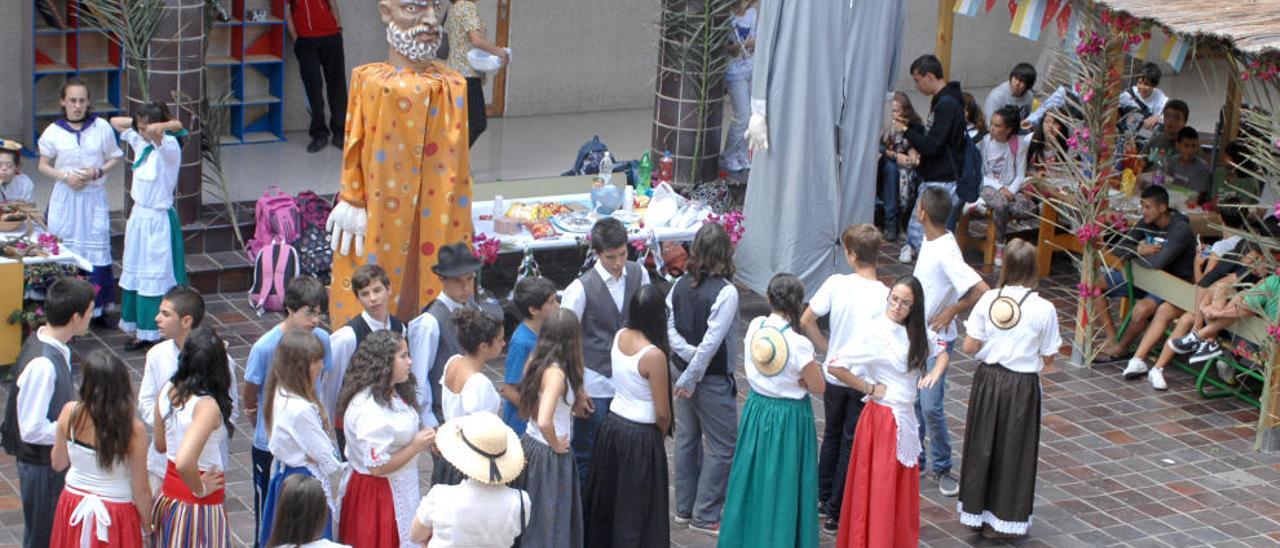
(63, 392)
(690, 309)
(362, 329)
(446, 347)
(601, 318)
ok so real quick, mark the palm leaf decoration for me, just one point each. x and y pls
(131, 24)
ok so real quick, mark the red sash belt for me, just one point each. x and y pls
(176, 489)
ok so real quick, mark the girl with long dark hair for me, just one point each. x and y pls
(105, 446)
(380, 417)
(307, 520)
(192, 420)
(882, 489)
(464, 389)
(551, 384)
(774, 480)
(626, 494)
(301, 440)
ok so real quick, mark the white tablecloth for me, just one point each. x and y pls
(524, 240)
(64, 256)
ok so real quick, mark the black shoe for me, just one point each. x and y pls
(317, 144)
(338, 142)
(830, 526)
(891, 232)
(136, 345)
(102, 322)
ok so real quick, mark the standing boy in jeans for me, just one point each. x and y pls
(950, 288)
(939, 141)
(316, 30)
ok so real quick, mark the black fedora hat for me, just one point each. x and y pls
(456, 260)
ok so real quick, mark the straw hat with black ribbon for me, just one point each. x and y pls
(482, 447)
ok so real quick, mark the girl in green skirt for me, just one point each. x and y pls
(774, 478)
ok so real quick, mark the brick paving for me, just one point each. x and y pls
(1120, 464)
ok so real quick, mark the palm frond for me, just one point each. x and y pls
(131, 24)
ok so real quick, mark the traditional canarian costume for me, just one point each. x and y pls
(301, 444)
(774, 482)
(551, 479)
(478, 394)
(378, 510)
(96, 508)
(406, 163)
(179, 518)
(1002, 432)
(882, 489)
(80, 218)
(343, 343)
(154, 259)
(626, 493)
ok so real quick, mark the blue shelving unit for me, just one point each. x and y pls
(73, 51)
(246, 56)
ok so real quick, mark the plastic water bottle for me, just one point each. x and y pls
(666, 168)
(1157, 178)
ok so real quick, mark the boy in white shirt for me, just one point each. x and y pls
(1004, 167)
(845, 298)
(1145, 98)
(951, 287)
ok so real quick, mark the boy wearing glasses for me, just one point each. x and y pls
(304, 305)
(951, 287)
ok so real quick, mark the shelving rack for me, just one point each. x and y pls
(77, 50)
(246, 55)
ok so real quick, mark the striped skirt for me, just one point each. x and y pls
(181, 519)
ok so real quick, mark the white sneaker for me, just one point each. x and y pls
(904, 256)
(1156, 376)
(1184, 344)
(1136, 368)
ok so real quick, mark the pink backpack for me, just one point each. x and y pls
(275, 265)
(277, 216)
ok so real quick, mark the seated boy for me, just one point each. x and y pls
(181, 311)
(1196, 332)
(1144, 100)
(1004, 166)
(372, 288)
(535, 299)
(14, 185)
(1016, 92)
(1174, 116)
(44, 385)
(1187, 168)
(304, 306)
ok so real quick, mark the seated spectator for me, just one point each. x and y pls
(1004, 165)
(1047, 141)
(1162, 241)
(1175, 116)
(897, 174)
(1187, 168)
(1196, 331)
(1144, 102)
(15, 186)
(975, 122)
(1014, 93)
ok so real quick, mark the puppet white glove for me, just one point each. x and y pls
(347, 223)
(757, 134)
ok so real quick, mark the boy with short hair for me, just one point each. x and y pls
(432, 337)
(44, 385)
(940, 140)
(372, 288)
(304, 304)
(950, 288)
(181, 311)
(14, 185)
(535, 299)
(846, 299)
(1188, 169)
(1145, 97)
(1014, 92)
(600, 298)
(1174, 116)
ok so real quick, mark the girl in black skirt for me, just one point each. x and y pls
(1014, 333)
(626, 497)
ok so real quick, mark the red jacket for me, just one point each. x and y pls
(313, 18)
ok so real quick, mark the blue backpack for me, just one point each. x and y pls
(969, 169)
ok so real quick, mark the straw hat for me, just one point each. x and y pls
(1005, 313)
(9, 144)
(769, 350)
(481, 446)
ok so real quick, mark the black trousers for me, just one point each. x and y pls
(323, 68)
(40, 488)
(842, 407)
(477, 120)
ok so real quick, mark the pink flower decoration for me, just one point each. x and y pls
(733, 223)
(1277, 208)
(486, 249)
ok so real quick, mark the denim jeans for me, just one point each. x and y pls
(915, 230)
(889, 191)
(584, 437)
(933, 419)
(734, 157)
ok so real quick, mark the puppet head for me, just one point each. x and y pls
(413, 27)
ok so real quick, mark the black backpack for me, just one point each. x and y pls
(968, 169)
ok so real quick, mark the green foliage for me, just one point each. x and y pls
(131, 24)
(695, 35)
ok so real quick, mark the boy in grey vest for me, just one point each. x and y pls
(432, 336)
(44, 385)
(600, 297)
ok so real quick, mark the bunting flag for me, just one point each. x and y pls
(1065, 17)
(1071, 37)
(1175, 51)
(967, 7)
(1140, 53)
(990, 4)
(1027, 21)
(1051, 12)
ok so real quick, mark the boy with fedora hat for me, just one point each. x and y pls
(433, 338)
(482, 510)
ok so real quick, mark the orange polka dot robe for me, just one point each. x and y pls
(406, 163)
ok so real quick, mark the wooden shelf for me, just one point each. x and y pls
(221, 61)
(260, 137)
(260, 100)
(261, 58)
(267, 21)
(97, 67)
(56, 68)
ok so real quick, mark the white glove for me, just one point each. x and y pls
(757, 134)
(347, 223)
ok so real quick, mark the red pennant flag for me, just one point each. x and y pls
(1013, 7)
(990, 4)
(1064, 21)
(1051, 9)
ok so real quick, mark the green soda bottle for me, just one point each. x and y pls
(644, 172)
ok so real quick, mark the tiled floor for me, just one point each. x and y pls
(1119, 463)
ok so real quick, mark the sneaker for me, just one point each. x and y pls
(1156, 376)
(1137, 367)
(679, 519)
(1187, 343)
(713, 529)
(1208, 350)
(1226, 372)
(999, 260)
(891, 232)
(904, 256)
(947, 483)
(830, 526)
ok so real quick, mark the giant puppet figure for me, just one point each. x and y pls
(406, 186)
(822, 70)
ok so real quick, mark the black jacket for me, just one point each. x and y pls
(944, 131)
(1178, 254)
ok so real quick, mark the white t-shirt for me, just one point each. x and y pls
(944, 276)
(1019, 348)
(473, 514)
(1004, 165)
(1226, 245)
(786, 383)
(852, 302)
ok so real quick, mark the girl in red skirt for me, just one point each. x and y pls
(882, 489)
(106, 449)
(380, 419)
